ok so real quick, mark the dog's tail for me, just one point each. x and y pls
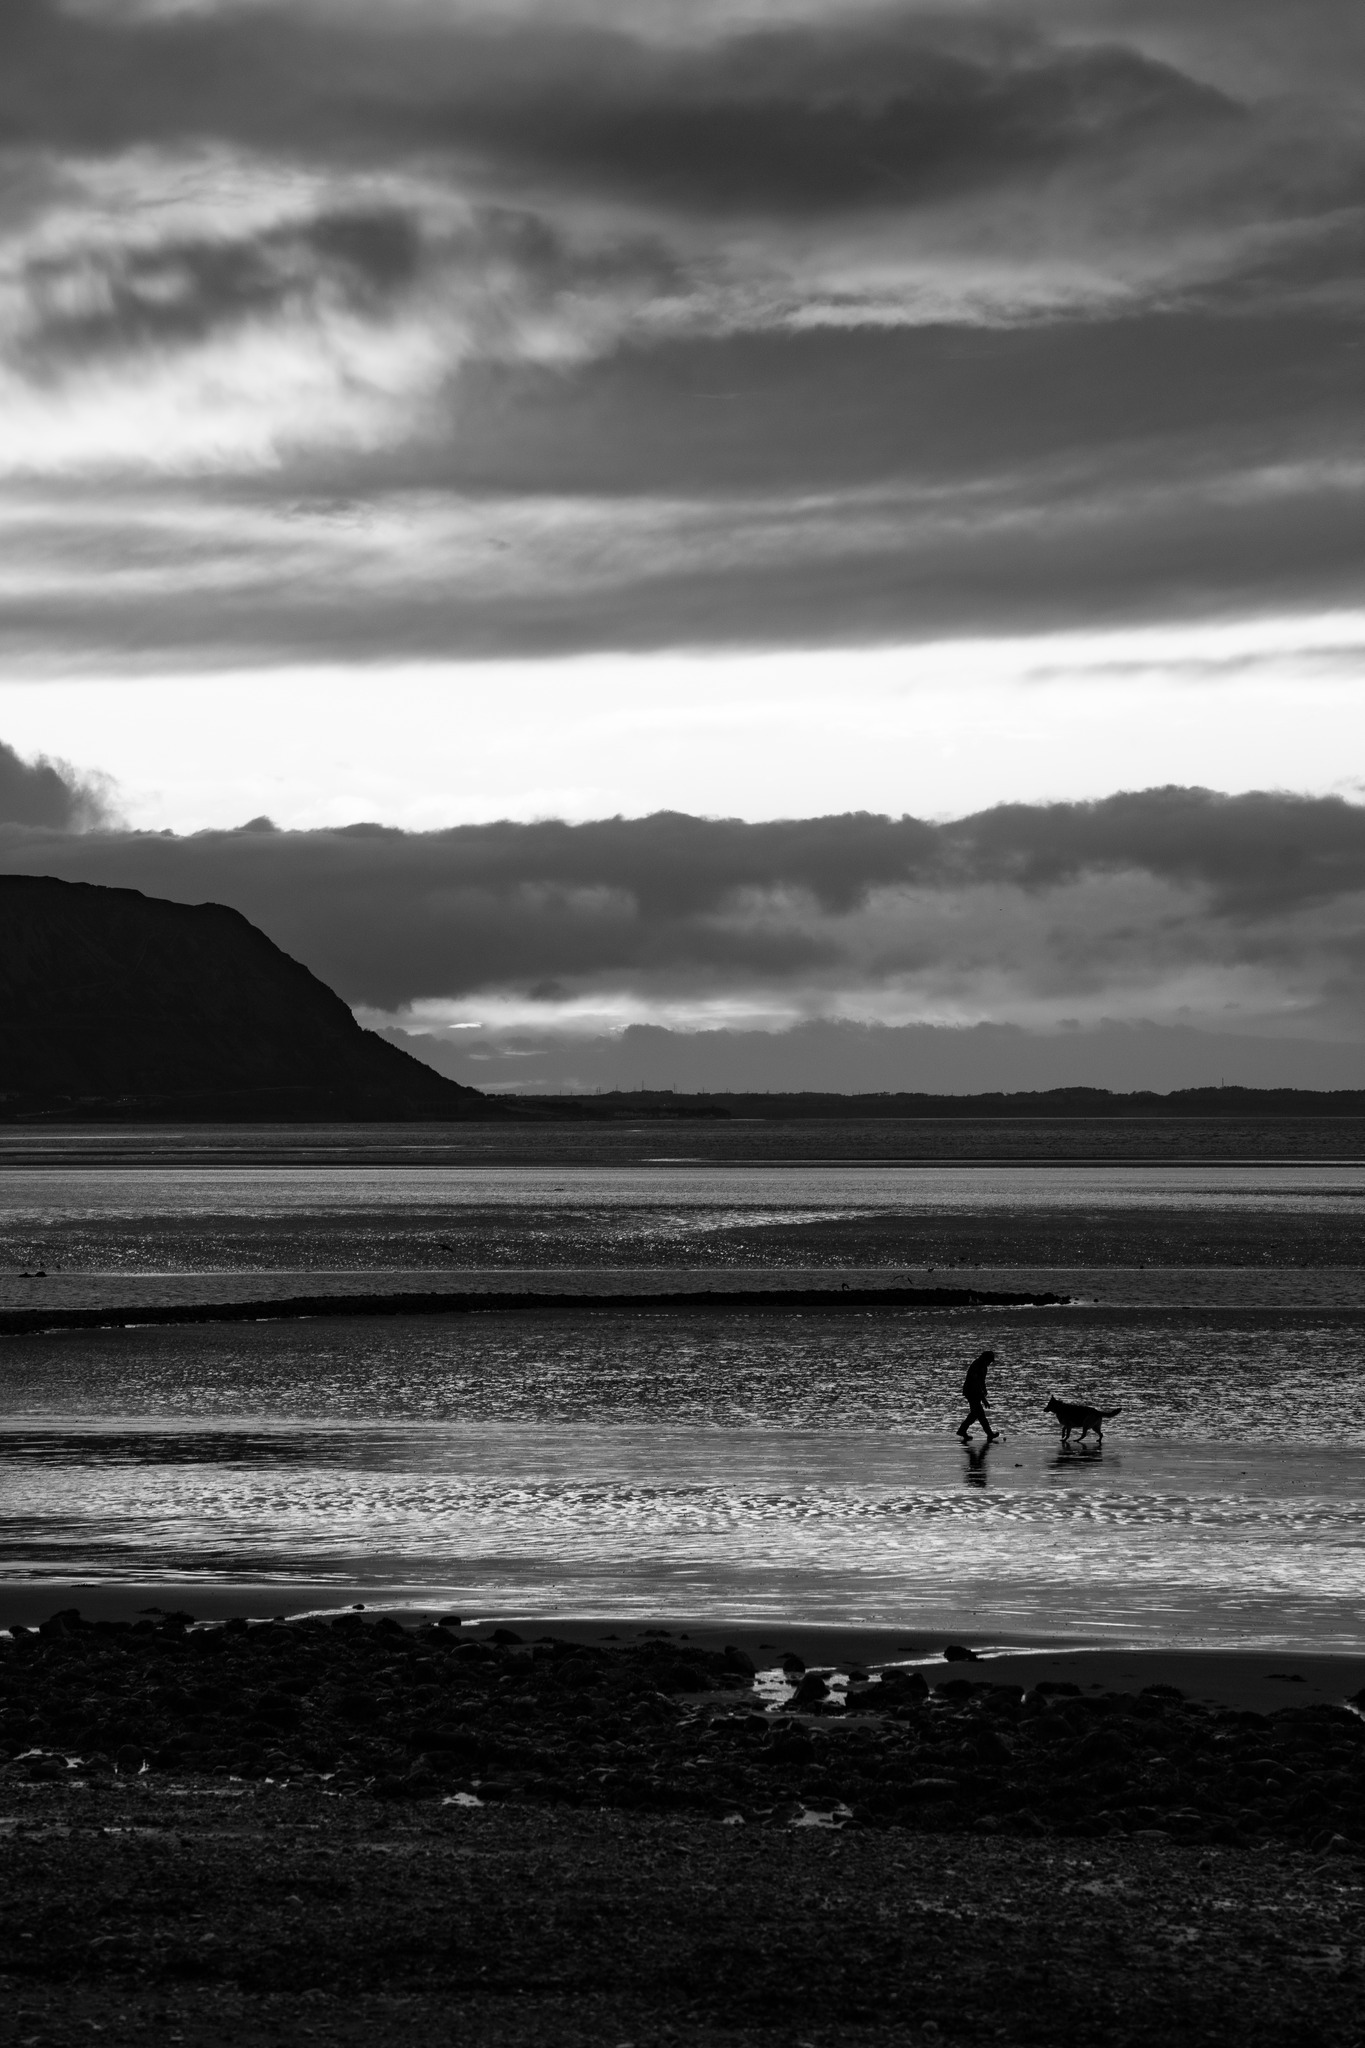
(1110, 1413)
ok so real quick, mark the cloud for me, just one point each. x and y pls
(846, 1058)
(883, 110)
(168, 292)
(803, 121)
(242, 345)
(1257, 854)
(1169, 905)
(218, 577)
(486, 271)
(1067, 132)
(628, 326)
(51, 795)
(1069, 165)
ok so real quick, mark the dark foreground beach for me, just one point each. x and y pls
(269, 1915)
(351, 1829)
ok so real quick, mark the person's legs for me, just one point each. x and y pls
(976, 1413)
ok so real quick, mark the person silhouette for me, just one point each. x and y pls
(978, 1401)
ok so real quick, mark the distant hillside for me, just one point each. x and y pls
(119, 1005)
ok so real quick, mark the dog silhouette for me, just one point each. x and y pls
(1080, 1415)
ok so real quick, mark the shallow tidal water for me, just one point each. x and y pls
(262, 1215)
(782, 1465)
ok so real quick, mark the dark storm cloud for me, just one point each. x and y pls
(48, 794)
(388, 917)
(804, 121)
(1256, 855)
(858, 112)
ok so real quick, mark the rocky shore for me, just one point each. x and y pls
(373, 1709)
(349, 1831)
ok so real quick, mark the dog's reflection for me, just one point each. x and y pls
(1070, 1456)
(977, 1454)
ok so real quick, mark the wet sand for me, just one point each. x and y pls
(1157, 1545)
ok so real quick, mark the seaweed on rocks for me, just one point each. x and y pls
(390, 1712)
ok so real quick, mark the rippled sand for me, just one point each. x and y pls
(642, 1466)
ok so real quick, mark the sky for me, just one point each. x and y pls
(692, 541)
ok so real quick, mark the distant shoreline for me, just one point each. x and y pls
(27, 1110)
(1044, 1105)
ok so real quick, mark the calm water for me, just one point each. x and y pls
(784, 1465)
(173, 1216)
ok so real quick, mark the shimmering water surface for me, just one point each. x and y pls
(52, 1195)
(783, 1464)
(262, 1215)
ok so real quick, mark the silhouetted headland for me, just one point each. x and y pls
(120, 1006)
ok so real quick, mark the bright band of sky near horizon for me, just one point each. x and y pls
(938, 730)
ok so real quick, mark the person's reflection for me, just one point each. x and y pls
(977, 1454)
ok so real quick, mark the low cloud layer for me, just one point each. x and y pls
(850, 1059)
(349, 333)
(1174, 907)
